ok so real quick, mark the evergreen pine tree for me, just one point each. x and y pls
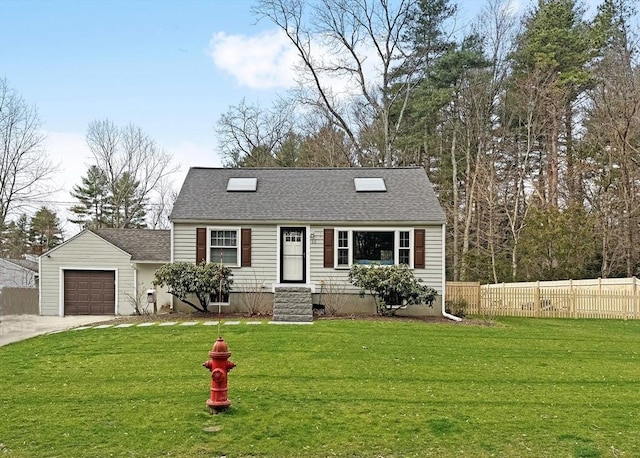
(45, 229)
(92, 211)
(126, 206)
(15, 238)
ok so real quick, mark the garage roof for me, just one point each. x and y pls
(141, 244)
(24, 263)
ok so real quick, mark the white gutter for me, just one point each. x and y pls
(39, 285)
(171, 247)
(444, 279)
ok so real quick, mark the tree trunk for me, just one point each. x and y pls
(455, 211)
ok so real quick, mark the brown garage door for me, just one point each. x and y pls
(89, 292)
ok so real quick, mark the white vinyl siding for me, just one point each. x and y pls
(264, 246)
(431, 275)
(86, 251)
(146, 274)
(14, 275)
(263, 252)
(433, 266)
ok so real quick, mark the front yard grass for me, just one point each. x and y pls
(524, 388)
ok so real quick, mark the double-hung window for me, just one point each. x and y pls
(373, 246)
(224, 246)
(343, 249)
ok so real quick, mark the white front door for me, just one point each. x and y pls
(293, 254)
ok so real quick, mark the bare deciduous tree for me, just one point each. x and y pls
(24, 166)
(614, 135)
(361, 43)
(161, 207)
(252, 134)
(128, 156)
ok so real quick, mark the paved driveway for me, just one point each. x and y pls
(14, 328)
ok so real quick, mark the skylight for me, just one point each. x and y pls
(242, 185)
(369, 184)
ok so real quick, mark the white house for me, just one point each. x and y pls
(295, 227)
(18, 273)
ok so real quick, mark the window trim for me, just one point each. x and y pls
(238, 243)
(396, 243)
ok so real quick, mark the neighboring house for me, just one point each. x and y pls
(283, 227)
(18, 273)
(103, 272)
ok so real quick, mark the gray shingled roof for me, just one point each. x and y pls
(141, 244)
(308, 195)
(24, 263)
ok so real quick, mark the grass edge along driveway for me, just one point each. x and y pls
(523, 388)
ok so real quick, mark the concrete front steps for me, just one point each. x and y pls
(292, 305)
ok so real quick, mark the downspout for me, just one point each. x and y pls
(171, 247)
(39, 287)
(171, 258)
(444, 278)
(134, 265)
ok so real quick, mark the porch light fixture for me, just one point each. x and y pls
(369, 184)
(242, 185)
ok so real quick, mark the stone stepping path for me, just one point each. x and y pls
(147, 324)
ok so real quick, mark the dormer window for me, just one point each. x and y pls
(242, 185)
(369, 184)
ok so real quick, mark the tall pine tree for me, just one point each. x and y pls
(551, 59)
(45, 230)
(105, 203)
(92, 210)
(126, 206)
(15, 238)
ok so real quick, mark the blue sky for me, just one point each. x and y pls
(165, 66)
(169, 67)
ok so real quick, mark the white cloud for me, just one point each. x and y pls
(264, 61)
(269, 61)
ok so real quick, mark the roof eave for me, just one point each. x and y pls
(279, 222)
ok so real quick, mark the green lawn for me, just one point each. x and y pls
(524, 388)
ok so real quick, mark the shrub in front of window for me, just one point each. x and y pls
(203, 281)
(391, 287)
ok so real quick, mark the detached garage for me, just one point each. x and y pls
(103, 272)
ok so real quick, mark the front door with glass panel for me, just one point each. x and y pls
(292, 255)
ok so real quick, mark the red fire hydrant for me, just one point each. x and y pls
(219, 367)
